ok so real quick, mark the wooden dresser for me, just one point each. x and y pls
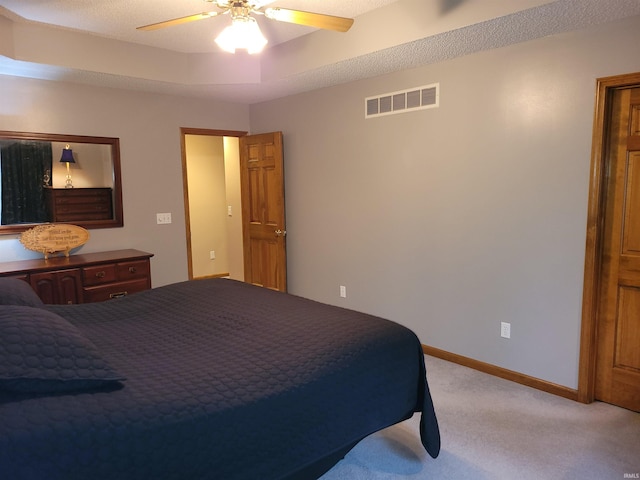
(84, 278)
(78, 204)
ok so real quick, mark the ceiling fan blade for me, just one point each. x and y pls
(260, 4)
(178, 21)
(318, 20)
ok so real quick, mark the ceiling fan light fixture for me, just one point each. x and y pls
(243, 33)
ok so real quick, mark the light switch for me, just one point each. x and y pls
(163, 218)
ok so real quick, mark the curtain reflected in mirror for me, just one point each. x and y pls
(24, 166)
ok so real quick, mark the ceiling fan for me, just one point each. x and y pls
(244, 31)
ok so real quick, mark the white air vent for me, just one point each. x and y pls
(418, 98)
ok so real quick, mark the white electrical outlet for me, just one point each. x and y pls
(343, 291)
(505, 330)
(212, 254)
(163, 218)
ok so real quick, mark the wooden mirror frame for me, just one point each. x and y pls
(117, 219)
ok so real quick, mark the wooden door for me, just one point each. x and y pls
(263, 216)
(618, 326)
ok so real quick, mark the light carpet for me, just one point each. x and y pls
(494, 429)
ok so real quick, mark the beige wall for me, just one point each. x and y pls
(148, 126)
(454, 219)
(234, 221)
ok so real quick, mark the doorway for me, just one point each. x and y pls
(609, 356)
(213, 203)
(249, 170)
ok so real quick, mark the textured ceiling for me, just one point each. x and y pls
(119, 19)
(96, 42)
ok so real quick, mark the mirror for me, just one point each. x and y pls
(59, 178)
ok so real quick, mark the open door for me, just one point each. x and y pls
(610, 356)
(618, 335)
(263, 215)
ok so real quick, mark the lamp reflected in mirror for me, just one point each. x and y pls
(67, 157)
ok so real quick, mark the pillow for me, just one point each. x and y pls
(42, 352)
(14, 291)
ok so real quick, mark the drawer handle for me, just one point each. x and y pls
(118, 295)
(100, 274)
(132, 270)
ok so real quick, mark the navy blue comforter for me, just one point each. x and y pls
(223, 380)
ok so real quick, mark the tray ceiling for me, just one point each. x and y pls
(97, 42)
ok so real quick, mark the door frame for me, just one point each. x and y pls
(595, 221)
(184, 131)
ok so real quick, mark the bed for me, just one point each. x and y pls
(205, 379)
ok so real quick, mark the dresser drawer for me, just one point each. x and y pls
(133, 269)
(100, 293)
(71, 204)
(78, 197)
(69, 215)
(100, 274)
(113, 280)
